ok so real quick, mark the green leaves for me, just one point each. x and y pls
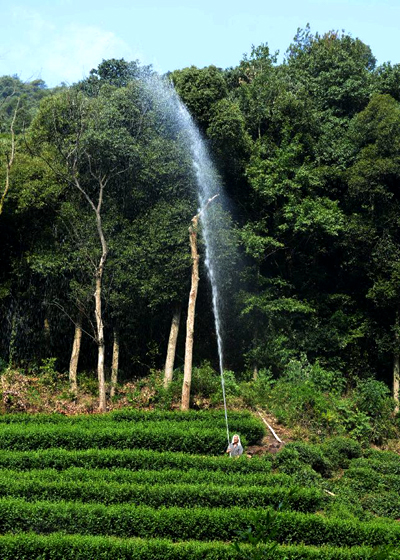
(199, 89)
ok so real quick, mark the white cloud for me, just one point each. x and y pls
(58, 54)
(76, 50)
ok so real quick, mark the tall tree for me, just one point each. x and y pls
(93, 143)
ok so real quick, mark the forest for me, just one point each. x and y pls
(98, 192)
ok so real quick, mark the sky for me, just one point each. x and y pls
(62, 40)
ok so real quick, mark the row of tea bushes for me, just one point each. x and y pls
(164, 476)
(373, 492)
(164, 495)
(181, 524)
(386, 465)
(243, 422)
(133, 459)
(384, 504)
(367, 479)
(58, 546)
(129, 414)
(188, 439)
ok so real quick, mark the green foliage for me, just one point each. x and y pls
(372, 397)
(182, 524)
(263, 480)
(384, 464)
(308, 454)
(161, 495)
(341, 450)
(311, 397)
(147, 436)
(199, 89)
(3, 365)
(256, 536)
(135, 459)
(125, 495)
(309, 151)
(27, 95)
(335, 69)
(86, 547)
(256, 392)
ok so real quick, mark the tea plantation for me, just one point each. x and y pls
(134, 484)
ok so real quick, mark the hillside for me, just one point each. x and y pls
(155, 484)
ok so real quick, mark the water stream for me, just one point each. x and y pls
(208, 185)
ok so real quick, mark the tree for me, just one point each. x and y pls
(373, 180)
(199, 89)
(93, 146)
(335, 69)
(187, 372)
(9, 158)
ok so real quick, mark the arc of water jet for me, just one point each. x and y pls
(219, 352)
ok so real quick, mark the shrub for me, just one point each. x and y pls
(385, 466)
(154, 436)
(372, 398)
(58, 546)
(303, 405)
(182, 524)
(323, 380)
(163, 476)
(384, 504)
(313, 456)
(257, 392)
(340, 451)
(162, 495)
(135, 459)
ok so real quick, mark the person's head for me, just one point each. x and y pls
(236, 439)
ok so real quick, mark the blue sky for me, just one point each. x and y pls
(61, 40)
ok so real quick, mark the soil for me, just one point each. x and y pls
(269, 443)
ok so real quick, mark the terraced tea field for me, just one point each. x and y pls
(151, 485)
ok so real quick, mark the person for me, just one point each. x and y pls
(235, 448)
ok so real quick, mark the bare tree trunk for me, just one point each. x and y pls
(73, 364)
(100, 345)
(47, 336)
(396, 380)
(115, 360)
(99, 279)
(9, 159)
(12, 347)
(173, 338)
(396, 365)
(187, 371)
(255, 371)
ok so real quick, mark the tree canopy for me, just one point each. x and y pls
(309, 152)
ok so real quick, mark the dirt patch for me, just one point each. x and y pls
(269, 444)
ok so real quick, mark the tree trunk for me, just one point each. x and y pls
(396, 380)
(396, 365)
(187, 371)
(173, 338)
(97, 297)
(115, 360)
(9, 159)
(73, 364)
(12, 347)
(100, 344)
(255, 371)
(47, 336)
